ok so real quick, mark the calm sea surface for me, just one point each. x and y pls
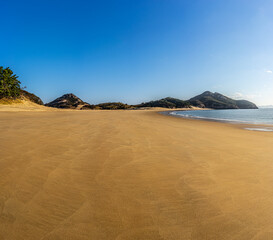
(249, 116)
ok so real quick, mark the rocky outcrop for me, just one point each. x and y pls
(69, 101)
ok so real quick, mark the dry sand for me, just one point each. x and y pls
(95, 175)
(22, 105)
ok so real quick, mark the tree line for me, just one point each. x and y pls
(9, 83)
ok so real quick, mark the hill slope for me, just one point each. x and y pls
(69, 101)
(219, 101)
(112, 106)
(32, 97)
(22, 104)
(167, 102)
(24, 95)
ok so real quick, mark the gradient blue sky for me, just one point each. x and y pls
(138, 50)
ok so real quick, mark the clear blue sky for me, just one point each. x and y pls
(138, 50)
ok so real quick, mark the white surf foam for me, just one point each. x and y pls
(260, 129)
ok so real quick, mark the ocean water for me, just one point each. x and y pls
(263, 116)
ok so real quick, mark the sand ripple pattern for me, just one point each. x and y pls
(131, 175)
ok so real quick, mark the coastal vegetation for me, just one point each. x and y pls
(113, 105)
(218, 101)
(30, 96)
(71, 101)
(10, 88)
(9, 83)
(167, 102)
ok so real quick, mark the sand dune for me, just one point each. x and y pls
(22, 105)
(132, 175)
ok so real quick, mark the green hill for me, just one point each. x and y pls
(167, 102)
(219, 101)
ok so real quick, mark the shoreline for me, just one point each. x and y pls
(251, 126)
(27, 106)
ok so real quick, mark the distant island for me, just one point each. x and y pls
(10, 89)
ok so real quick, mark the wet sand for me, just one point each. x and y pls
(81, 175)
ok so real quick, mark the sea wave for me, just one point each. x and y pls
(260, 129)
(209, 118)
(261, 120)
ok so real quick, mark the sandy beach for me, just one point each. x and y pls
(128, 175)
